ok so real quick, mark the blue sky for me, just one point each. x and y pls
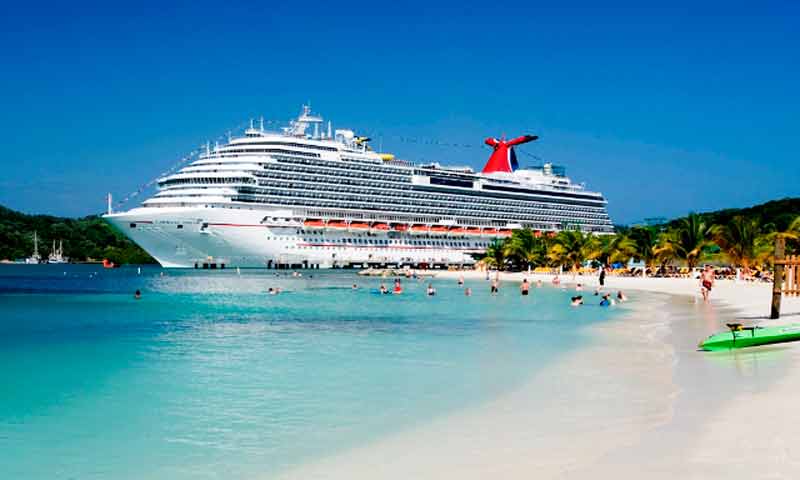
(664, 109)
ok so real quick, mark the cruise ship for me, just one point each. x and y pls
(312, 197)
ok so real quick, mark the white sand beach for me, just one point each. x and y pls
(639, 402)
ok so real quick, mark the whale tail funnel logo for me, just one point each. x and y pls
(503, 158)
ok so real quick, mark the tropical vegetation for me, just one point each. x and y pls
(87, 238)
(742, 238)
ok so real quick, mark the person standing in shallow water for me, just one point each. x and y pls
(137, 295)
(494, 289)
(524, 287)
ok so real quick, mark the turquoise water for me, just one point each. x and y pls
(207, 376)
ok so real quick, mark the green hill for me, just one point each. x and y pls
(87, 238)
(773, 215)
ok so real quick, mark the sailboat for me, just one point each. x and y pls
(57, 254)
(35, 258)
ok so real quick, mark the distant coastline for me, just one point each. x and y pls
(85, 240)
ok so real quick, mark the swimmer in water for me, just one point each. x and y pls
(525, 287)
(431, 290)
(383, 289)
(578, 287)
(539, 283)
(468, 292)
(576, 301)
(606, 301)
(461, 280)
(398, 289)
(271, 291)
(137, 295)
(355, 287)
(621, 296)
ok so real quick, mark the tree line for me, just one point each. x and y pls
(87, 238)
(742, 241)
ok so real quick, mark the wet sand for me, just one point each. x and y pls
(639, 401)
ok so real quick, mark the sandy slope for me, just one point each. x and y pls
(639, 402)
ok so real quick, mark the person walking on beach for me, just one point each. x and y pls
(706, 282)
(602, 276)
(524, 287)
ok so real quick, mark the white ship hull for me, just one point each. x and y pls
(198, 237)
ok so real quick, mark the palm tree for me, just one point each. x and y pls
(791, 234)
(616, 248)
(573, 247)
(686, 240)
(741, 241)
(646, 241)
(526, 247)
(496, 255)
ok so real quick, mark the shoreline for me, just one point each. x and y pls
(671, 412)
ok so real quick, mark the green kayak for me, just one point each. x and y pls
(740, 336)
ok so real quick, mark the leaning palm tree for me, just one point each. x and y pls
(618, 248)
(740, 240)
(572, 248)
(686, 240)
(496, 255)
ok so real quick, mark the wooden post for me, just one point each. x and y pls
(777, 281)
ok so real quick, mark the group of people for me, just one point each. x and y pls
(605, 299)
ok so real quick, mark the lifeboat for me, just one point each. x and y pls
(359, 226)
(457, 231)
(473, 231)
(439, 229)
(400, 227)
(337, 224)
(504, 232)
(537, 233)
(490, 231)
(419, 228)
(380, 226)
(313, 223)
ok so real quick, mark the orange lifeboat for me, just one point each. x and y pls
(504, 232)
(316, 223)
(419, 228)
(359, 226)
(337, 224)
(380, 226)
(439, 229)
(457, 231)
(473, 231)
(400, 227)
(537, 233)
(490, 231)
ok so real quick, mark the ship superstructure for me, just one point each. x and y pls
(314, 196)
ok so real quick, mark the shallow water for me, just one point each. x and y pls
(207, 376)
